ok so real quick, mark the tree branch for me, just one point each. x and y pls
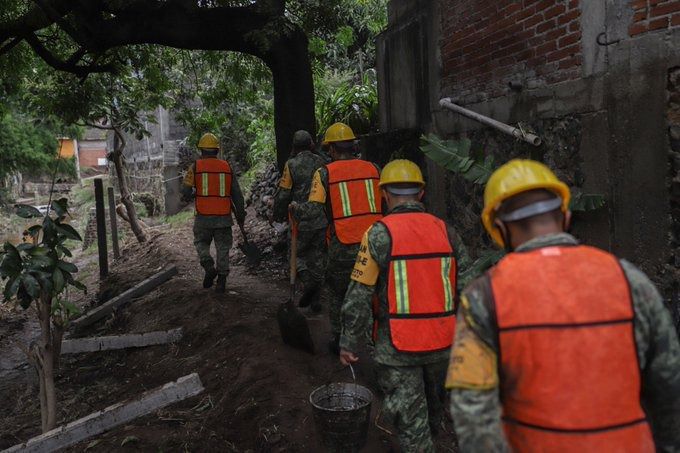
(60, 65)
(54, 15)
(35, 19)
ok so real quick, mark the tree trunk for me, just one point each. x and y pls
(125, 198)
(43, 358)
(288, 60)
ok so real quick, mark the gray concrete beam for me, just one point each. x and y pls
(79, 345)
(112, 416)
(126, 297)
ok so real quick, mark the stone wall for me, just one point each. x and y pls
(610, 128)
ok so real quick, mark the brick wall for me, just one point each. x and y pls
(486, 44)
(652, 15)
(90, 157)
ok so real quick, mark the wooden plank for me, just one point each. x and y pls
(113, 342)
(118, 414)
(101, 228)
(119, 301)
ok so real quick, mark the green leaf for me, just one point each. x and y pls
(454, 155)
(31, 285)
(41, 262)
(26, 211)
(586, 202)
(69, 231)
(60, 207)
(45, 280)
(33, 231)
(58, 280)
(68, 267)
(64, 250)
(25, 247)
(484, 262)
(11, 287)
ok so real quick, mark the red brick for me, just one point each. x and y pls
(658, 24)
(510, 9)
(570, 62)
(568, 17)
(637, 28)
(530, 22)
(573, 4)
(545, 26)
(556, 33)
(574, 26)
(640, 15)
(637, 4)
(548, 47)
(655, 2)
(545, 4)
(524, 55)
(569, 39)
(554, 11)
(664, 9)
(563, 53)
(675, 20)
(527, 11)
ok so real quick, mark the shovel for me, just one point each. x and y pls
(293, 324)
(250, 250)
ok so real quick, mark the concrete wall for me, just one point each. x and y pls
(605, 126)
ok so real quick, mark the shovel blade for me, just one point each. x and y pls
(294, 328)
(252, 253)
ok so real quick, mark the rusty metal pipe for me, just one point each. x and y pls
(505, 128)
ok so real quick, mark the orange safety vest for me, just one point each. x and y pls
(354, 198)
(570, 377)
(421, 287)
(213, 187)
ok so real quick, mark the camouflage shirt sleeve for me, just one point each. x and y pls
(357, 308)
(475, 400)
(237, 200)
(461, 255)
(312, 215)
(659, 354)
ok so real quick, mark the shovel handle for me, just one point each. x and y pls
(293, 251)
(240, 225)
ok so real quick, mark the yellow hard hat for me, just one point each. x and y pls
(338, 132)
(517, 176)
(401, 171)
(208, 141)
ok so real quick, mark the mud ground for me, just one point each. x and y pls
(256, 388)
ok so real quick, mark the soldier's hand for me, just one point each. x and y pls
(347, 357)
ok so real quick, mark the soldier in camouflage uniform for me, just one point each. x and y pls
(316, 218)
(523, 215)
(412, 381)
(294, 189)
(213, 220)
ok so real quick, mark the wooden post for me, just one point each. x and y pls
(114, 224)
(101, 227)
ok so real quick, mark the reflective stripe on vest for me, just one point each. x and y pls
(213, 187)
(570, 377)
(353, 185)
(421, 283)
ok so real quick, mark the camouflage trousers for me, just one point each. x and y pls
(337, 280)
(204, 237)
(311, 258)
(414, 402)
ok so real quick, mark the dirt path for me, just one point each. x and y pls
(257, 389)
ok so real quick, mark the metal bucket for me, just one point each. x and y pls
(342, 413)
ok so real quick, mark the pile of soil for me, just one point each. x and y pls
(256, 388)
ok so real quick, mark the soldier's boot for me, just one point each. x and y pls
(220, 288)
(209, 278)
